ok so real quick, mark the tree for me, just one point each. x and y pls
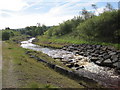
(109, 7)
(7, 28)
(95, 7)
(5, 35)
(86, 14)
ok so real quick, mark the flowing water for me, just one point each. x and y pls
(103, 75)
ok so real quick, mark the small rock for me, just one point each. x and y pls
(81, 53)
(32, 56)
(106, 57)
(117, 64)
(97, 52)
(98, 46)
(115, 60)
(112, 53)
(80, 67)
(76, 65)
(94, 55)
(79, 57)
(27, 52)
(107, 61)
(114, 57)
(70, 65)
(98, 62)
(64, 48)
(104, 48)
(93, 59)
(70, 61)
(101, 52)
(76, 52)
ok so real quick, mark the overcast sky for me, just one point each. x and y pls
(22, 13)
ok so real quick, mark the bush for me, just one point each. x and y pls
(5, 35)
(101, 28)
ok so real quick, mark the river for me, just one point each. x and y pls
(103, 75)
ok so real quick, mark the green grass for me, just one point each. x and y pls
(21, 71)
(59, 42)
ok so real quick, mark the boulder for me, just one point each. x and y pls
(101, 52)
(27, 52)
(113, 53)
(76, 65)
(81, 53)
(93, 59)
(79, 67)
(71, 47)
(115, 60)
(94, 55)
(70, 65)
(99, 62)
(98, 46)
(107, 61)
(104, 48)
(31, 56)
(117, 65)
(76, 52)
(51, 65)
(106, 56)
(97, 51)
(61, 69)
(41, 60)
(114, 57)
(58, 58)
(64, 48)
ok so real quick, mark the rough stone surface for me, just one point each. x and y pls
(99, 54)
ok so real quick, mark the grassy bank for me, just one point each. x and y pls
(21, 71)
(56, 42)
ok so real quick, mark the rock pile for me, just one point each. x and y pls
(99, 54)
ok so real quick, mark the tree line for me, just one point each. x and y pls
(104, 27)
(34, 30)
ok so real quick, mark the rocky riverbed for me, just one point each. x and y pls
(82, 65)
(96, 62)
(100, 55)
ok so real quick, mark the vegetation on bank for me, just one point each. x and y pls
(6, 34)
(103, 29)
(67, 40)
(20, 70)
(34, 30)
(89, 28)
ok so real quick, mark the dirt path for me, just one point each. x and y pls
(9, 77)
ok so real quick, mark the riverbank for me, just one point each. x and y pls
(23, 71)
(56, 63)
(101, 55)
(29, 54)
(56, 42)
